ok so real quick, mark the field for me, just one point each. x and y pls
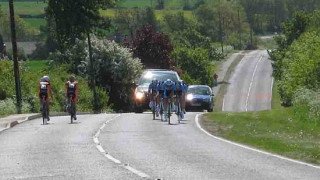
(35, 22)
(25, 8)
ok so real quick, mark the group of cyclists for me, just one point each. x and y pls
(45, 94)
(160, 92)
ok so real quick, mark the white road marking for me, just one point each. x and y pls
(252, 149)
(137, 172)
(95, 140)
(111, 158)
(223, 102)
(249, 91)
(100, 148)
(271, 91)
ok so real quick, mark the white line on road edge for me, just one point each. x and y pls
(271, 90)
(249, 91)
(139, 173)
(111, 158)
(249, 148)
(223, 102)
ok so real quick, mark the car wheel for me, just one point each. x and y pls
(138, 109)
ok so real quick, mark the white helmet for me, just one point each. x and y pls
(169, 82)
(45, 79)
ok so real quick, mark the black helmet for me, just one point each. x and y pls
(72, 79)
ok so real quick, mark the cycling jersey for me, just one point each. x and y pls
(152, 87)
(168, 89)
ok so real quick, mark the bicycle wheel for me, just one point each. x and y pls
(169, 111)
(44, 113)
(179, 112)
(161, 110)
(154, 111)
(72, 111)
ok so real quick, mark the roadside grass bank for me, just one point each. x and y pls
(218, 102)
(267, 43)
(276, 131)
(279, 130)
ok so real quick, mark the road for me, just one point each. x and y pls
(151, 148)
(250, 87)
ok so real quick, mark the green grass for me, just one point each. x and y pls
(37, 65)
(275, 131)
(35, 22)
(278, 130)
(158, 13)
(269, 43)
(26, 8)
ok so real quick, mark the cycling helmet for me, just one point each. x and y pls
(45, 79)
(154, 81)
(169, 82)
(72, 79)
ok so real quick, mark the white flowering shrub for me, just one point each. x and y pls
(114, 67)
(307, 104)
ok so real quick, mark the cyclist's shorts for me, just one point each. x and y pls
(168, 93)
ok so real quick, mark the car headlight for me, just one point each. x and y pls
(189, 97)
(139, 95)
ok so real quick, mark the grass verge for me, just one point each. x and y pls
(37, 65)
(224, 85)
(276, 131)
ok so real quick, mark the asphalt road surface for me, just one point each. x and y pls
(152, 149)
(250, 87)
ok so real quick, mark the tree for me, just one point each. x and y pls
(195, 63)
(74, 18)
(152, 48)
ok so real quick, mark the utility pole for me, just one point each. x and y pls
(220, 27)
(15, 57)
(239, 21)
(92, 79)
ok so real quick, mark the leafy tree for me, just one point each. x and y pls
(174, 22)
(114, 66)
(152, 48)
(197, 69)
(73, 18)
(301, 66)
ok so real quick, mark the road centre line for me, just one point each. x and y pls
(111, 158)
(249, 91)
(250, 148)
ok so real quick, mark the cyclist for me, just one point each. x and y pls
(45, 89)
(168, 92)
(72, 90)
(181, 90)
(152, 91)
(160, 95)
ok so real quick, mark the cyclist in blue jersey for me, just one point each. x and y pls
(160, 96)
(181, 91)
(152, 91)
(168, 92)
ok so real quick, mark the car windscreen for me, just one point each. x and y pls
(147, 77)
(199, 90)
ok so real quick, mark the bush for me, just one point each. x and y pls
(307, 104)
(114, 66)
(8, 106)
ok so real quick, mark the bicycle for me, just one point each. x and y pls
(154, 106)
(45, 110)
(179, 108)
(161, 109)
(169, 109)
(72, 108)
